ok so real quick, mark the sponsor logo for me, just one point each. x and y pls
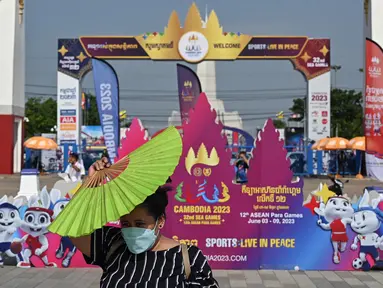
(193, 47)
(324, 113)
(68, 94)
(324, 121)
(374, 70)
(315, 113)
(73, 142)
(71, 112)
(375, 60)
(68, 120)
(68, 123)
(67, 135)
(68, 127)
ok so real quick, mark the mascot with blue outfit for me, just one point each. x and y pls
(365, 223)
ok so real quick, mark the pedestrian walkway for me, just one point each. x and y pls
(11, 277)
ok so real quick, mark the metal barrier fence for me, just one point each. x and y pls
(304, 161)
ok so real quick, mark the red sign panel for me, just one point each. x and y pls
(67, 123)
(68, 119)
(374, 98)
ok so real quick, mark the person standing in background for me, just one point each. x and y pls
(105, 154)
(74, 168)
(242, 165)
(342, 159)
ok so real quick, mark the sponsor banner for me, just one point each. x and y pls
(189, 88)
(318, 114)
(374, 166)
(68, 108)
(274, 222)
(49, 157)
(107, 95)
(373, 127)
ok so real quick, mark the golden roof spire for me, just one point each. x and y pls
(201, 158)
(193, 20)
(21, 11)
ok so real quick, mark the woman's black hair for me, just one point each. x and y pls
(156, 203)
(74, 155)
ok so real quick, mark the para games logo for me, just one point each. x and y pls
(374, 69)
(193, 47)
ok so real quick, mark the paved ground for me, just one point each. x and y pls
(11, 277)
(9, 185)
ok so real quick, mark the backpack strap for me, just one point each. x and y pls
(186, 260)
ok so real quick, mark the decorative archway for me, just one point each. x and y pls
(194, 43)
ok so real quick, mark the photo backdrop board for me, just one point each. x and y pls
(193, 43)
(265, 224)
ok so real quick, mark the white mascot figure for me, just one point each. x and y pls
(338, 213)
(365, 223)
(35, 224)
(9, 222)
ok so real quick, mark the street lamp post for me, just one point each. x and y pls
(336, 68)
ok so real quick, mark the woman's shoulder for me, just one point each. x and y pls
(110, 234)
(196, 256)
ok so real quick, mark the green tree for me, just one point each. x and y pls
(346, 112)
(90, 115)
(42, 116)
(298, 108)
(279, 124)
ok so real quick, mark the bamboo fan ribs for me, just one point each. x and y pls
(102, 176)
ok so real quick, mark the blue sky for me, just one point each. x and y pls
(148, 89)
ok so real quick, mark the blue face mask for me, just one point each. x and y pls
(139, 240)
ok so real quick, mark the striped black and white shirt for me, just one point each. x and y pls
(151, 269)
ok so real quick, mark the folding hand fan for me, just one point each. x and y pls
(115, 191)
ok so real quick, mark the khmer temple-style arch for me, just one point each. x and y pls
(193, 42)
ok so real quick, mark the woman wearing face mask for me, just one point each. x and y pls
(138, 255)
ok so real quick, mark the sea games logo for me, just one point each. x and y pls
(374, 69)
(193, 47)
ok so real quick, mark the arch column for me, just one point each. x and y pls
(12, 82)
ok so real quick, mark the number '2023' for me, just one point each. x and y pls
(318, 97)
